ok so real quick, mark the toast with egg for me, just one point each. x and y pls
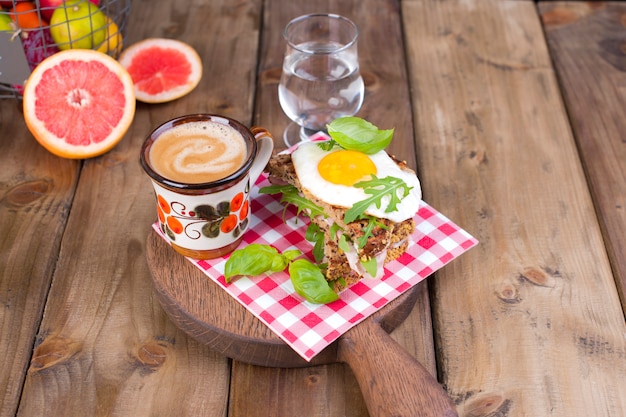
(349, 246)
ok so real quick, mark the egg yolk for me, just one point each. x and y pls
(346, 167)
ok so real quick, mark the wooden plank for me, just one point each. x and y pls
(332, 390)
(105, 346)
(529, 322)
(36, 190)
(588, 44)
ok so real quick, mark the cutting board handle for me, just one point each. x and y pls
(393, 383)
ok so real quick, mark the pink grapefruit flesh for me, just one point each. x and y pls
(162, 69)
(79, 103)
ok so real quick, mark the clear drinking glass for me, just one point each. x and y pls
(320, 80)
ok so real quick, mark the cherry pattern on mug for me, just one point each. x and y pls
(204, 220)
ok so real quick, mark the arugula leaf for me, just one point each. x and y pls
(314, 234)
(343, 244)
(327, 145)
(334, 228)
(291, 195)
(354, 133)
(371, 266)
(362, 241)
(377, 188)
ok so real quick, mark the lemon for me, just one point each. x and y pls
(78, 24)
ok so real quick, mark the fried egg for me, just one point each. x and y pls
(330, 176)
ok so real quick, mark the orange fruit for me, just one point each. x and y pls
(162, 69)
(113, 43)
(26, 16)
(79, 103)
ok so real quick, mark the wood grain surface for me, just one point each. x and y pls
(392, 381)
(104, 343)
(383, 67)
(35, 199)
(588, 43)
(536, 300)
(513, 113)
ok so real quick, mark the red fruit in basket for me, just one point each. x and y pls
(162, 69)
(47, 7)
(79, 103)
(38, 45)
(9, 3)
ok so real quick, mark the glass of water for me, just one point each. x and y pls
(320, 80)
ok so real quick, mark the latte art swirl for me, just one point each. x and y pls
(198, 152)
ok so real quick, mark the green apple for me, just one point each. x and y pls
(78, 24)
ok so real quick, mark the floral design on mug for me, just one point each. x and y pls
(205, 219)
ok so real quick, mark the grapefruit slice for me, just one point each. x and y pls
(79, 103)
(162, 69)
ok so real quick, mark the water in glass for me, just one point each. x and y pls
(320, 80)
(317, 88)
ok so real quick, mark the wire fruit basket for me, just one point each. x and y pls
(43, 30)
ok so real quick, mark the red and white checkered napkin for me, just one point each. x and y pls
(308, 328)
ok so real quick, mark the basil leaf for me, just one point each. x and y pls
(252, 260)
(309, 282)
(279, 263)
(357, 134)
(292, 254)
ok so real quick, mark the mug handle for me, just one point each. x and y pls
(265, 147)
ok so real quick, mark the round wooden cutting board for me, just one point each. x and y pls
(207, 313)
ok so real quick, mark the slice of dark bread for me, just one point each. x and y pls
(386, 236)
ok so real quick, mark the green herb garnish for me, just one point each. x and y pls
(309, 282)
(343, 244)
(371, 266)
(291, 195)
(357, 134)
(316, 235)
(368, 231)
(306, 277)
(377, 188)
(257, 259)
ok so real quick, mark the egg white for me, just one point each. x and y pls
(308, 155)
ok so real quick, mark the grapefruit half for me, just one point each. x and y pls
(79, 103)
(162, 69)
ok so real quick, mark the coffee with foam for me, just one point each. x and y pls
(198, 152)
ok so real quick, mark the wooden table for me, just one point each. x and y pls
(514, 114)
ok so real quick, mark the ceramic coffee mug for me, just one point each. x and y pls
(202, 168)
